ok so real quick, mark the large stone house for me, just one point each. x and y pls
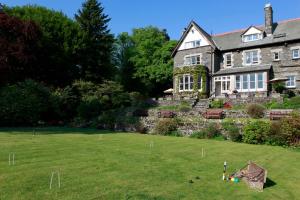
(243, 62)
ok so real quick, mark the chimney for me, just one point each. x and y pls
(268, 19)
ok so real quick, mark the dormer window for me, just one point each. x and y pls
(252, 37)
(192, 44)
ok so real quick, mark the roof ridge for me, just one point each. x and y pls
(261, 25)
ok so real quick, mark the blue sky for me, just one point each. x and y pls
(173, 15)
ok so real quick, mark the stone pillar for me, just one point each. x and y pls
(268, 19)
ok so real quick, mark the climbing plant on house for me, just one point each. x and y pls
(196, 72)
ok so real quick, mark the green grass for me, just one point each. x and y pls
(101, 165)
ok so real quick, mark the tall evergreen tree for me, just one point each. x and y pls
(95, 60)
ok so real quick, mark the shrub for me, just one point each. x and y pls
(275, 136)
(217, 103)
(279, 87)
(165, 126)
(199, 134)
(211, 131)
(255, 110)
(232, 131)
(24, 104)
(290, 129)
(292, 103)
(290, 93)
(255, 132)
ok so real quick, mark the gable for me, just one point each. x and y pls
(252, 30)
(193, 35)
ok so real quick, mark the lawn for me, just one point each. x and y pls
(103, 165)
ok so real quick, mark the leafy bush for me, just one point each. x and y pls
(275, 136)
(95, 99)
(292, 103)
(255, 110)
(255, 132)
(24, 103)
(232, 131)
(211, 131)
(165, 126)
(290, 93)
(217, 103)
(279, 87)
(290, 129)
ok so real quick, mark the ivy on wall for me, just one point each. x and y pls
(195, 71)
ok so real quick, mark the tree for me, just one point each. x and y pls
(57, 56)
(18, 47)
(123, 51)
(152, 59)
(95, 60)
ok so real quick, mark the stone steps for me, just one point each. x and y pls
(202, 104)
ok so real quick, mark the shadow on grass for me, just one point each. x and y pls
(53, 130)
(269, 183)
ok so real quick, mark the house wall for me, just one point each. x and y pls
(205, 51)
(286, 66)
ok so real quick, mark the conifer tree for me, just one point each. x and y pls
(95, 55)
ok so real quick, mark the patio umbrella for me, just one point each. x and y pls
(168, 91)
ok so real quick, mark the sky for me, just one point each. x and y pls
(214, 16)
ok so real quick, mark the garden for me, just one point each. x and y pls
(95, 164)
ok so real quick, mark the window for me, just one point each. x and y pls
(192, 60)
(225, 83)
(249, 82)
(199, 82)
(228, 60)
(296, 53)
(245, 82)
(260, 81)
(251, 57)
(237, 82)
(276, 56)
(252, 37)
(291, 82)
(252, 81)
(192, 44)
(186, 83)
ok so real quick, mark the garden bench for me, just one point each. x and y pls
(279, 114)
(213, 114)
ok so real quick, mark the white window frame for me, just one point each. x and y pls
(225, 80)
(250, 37)
(291, 82)
(190, 56)
(248, 77)
(189, 83)
(293, 53)
(192, 44)
(251, 58)
(226, 60)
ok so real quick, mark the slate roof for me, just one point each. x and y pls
(243, 69)
(283, 32)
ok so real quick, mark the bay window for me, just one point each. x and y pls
(249, 82)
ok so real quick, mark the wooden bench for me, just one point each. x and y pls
(279, 114)
(213, 114)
